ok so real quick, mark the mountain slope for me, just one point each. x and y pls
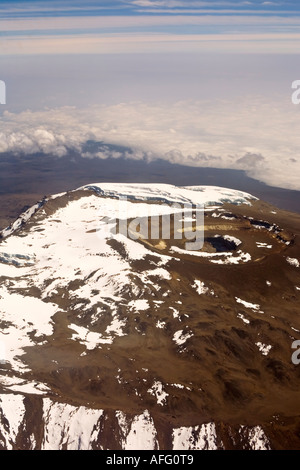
(112, 341)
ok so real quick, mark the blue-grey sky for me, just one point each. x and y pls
(148, 25)
(38, 8)
(206, 83)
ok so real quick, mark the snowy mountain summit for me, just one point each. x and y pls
(118, 331)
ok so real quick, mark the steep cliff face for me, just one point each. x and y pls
(35, 423)
(114, 335)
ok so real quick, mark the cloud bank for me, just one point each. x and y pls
(247, 133)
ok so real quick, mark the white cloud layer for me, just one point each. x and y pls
(247, 133)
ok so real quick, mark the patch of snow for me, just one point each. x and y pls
(16, 384)
(200, 287)
(139, 304)
(157, 390)
(90, 339)
(241, 316)
(250, 305)
(242, 257)
(178, 386)
(202, 437)
(293, 262)
(175, 312)
(201, 254)
(264, 348)
(13, 409)
(295, 329)
(20, 314)
(159, 272)
(226, 217)
(67, 426)
(180, 337)
(257, 439)
(263, 245)
(230, 238)
(134, 250)
(140, 435)
(116, 327)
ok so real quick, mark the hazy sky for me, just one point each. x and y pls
(195, 82)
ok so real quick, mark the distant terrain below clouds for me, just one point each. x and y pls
(248, 133)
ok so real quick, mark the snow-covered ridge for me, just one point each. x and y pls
(24, 217)
(167, 193)
(162, 193)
